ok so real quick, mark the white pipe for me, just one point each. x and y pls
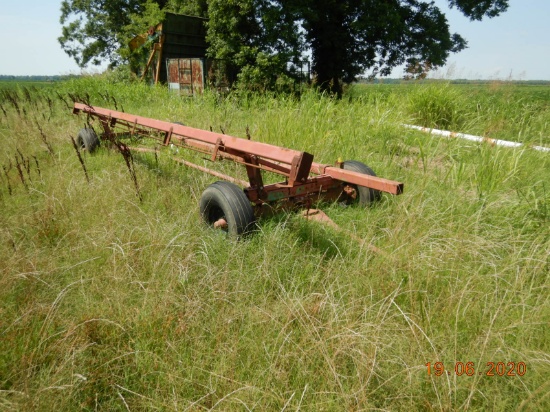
(480, 139)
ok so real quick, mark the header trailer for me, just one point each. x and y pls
(224, 204)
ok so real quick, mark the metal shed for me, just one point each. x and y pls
(177, 37)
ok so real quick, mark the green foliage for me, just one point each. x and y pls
(348, 38)
(515, 111)
(188, 7)
(139, 24)
(477, 9)
(258, 38)
(439, 106)
(112, 303)
(95, 31)
(119, 75)
(92, 30)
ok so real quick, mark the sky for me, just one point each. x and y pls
(515, 45)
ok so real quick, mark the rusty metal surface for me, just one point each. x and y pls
(194, 166)
(305, 181)
(186, 75)
(315, 187)
(211, 172)
(204, 138)
(373, 182)
(356, 178)
(317, 215)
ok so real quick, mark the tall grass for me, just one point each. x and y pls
(499, 110)
(112, 303)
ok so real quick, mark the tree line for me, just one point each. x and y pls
(33, 78)
(258, 38)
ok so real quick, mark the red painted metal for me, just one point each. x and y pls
(267, 151)
(195, 166)
(304, 182)
(373, 182)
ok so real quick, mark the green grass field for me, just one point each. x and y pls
(109, 302)
(30, 84)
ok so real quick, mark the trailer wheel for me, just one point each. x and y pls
(361, 194)
(224, 205)
(87, 139)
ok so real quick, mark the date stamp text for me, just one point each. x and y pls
(470, 369)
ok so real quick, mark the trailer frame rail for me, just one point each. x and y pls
(304, 180)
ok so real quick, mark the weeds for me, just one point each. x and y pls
(6, 173)
(18, 166)
(61, 98)
(110, 303)
(129, 160)
(37, 165)
(45, 140)
(80, 159)
(12, 97)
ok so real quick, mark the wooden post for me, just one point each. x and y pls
(159, 49)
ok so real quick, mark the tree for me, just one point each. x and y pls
(94, 31)
(91, 28)
(190, 7)
(255, 38)
(350, 37)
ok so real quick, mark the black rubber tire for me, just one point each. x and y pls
(226, 200)
(87, 139)
(365, 195)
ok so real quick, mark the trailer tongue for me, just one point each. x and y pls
(224, 204)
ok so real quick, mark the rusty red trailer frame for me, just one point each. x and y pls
(304, 180)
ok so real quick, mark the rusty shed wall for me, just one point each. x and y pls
(185, 36)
